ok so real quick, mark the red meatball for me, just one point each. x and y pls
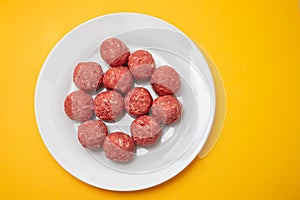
(91, 134)
(87, 76)
(119, 147)
(109, 105)
(141, 64)
(118, 78)
(165, 81)
(114, 52)
(138, 101)
(79, 106)
(166, 109)
(145, 130)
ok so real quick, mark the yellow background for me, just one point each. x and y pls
(256, 46)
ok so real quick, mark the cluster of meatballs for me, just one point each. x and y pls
(120, 95)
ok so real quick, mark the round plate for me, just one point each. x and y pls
(180, 143)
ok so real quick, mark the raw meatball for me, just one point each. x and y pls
(165, 81)
(141, 64)
(114, 52)
(145, 130)
(118, 78)
(79, 106)
(119, 147)
(87, 76)
(91, 134)
(166, 109)
(138, 101)
(109, 105)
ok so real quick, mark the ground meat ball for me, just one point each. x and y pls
(79, 106)
(118, 78)
(141, 64)
(91, 134)
(114, 52)
(166, 109)
(109, 105)
(165, 81)
(119, 147)
(87, 76)
(145, 130)
(138, 101)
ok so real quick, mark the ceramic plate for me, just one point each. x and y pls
(180, 142)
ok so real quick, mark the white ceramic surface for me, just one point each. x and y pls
(180, 143)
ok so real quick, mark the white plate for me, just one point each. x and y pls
(180, 143)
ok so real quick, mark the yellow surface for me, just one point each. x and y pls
(256, 46)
